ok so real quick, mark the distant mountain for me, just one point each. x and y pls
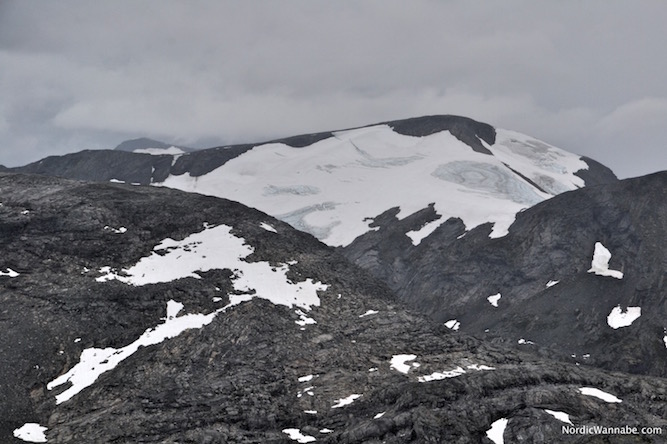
(332, 184)
(146, 314)
(151, 146)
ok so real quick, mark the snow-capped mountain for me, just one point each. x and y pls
(146, 314)
(333, 187)
(332, 184)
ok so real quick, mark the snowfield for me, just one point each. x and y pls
(619, 318)
(600, 262)
(333, 186)
(215, 247)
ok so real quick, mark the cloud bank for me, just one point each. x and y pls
(585, 76)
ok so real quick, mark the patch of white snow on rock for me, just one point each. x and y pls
(345, 401)
(217, 248)
(95, 361)
(10, 273)
(607, 397)
(453, 324)
(493, 300)
(497, 430)
(368, 313)
(31, 432)
(600, 263)
(268, 227)
(436, 376)
(619, 318)
(398, 363)
(306, 378)
(561, 416)
(296, 435)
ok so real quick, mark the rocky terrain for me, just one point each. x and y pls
(540, 274)
(264, 334)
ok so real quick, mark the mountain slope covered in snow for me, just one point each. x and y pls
(331, 184)
(333, 187)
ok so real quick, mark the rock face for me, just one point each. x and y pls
(542, 270)
(273, 336)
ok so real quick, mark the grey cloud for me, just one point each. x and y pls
(83, 73)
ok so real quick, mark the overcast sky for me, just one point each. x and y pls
(587, 76)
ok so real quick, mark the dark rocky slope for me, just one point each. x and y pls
(450, 277)
(241, 377)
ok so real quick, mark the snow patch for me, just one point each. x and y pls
(436, 376)
(217, 248)
(120, 230)
(398, 363)
(479, 367)
(600, 263)
(296, 435)
(495, 433)
(590, 391)
(561, 416)
(417, 236)
(453, 324)
(160, 151)
(116, 181)
(31, 432)
(11, 273)
(303, 319)
(619, 318)
(345, 401)
(379, 415)
(307, 390)
(306, 378)
(268, 227)
(552, 283)
(493, 300)
(95, 361)
(368, 313)
(524, 341)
